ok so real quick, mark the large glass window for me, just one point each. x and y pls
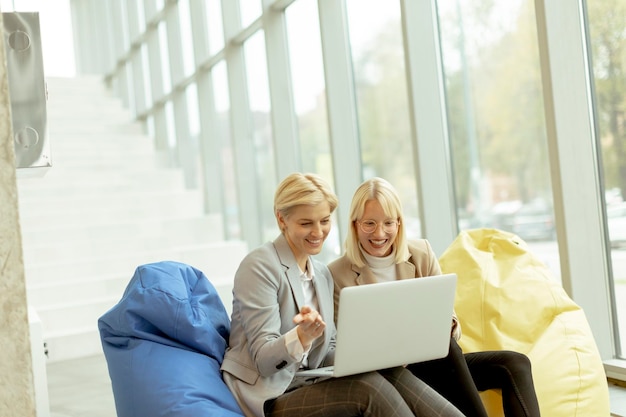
(496, 120)
(309, 91)
(186, 38)
(382, 101)
(250, 11)
(608, 45)
(193, 117)
(259, 97)
(165, 56)
(222, 109)
(307, 74)
(145, 63)
(214, 25)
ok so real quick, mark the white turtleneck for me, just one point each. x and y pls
(384, 269)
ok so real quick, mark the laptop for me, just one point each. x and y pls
(391, 324)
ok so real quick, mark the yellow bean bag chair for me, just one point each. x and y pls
(507, 299)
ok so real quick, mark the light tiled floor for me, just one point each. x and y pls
(618, 400)
(81, 387)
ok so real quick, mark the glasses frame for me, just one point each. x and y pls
(383, 225)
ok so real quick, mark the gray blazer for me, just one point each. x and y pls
(267, 295)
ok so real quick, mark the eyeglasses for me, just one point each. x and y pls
(370, 226)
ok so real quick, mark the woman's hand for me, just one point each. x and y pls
(310, 325)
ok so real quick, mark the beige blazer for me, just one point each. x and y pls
(422, 262)
(267, 294)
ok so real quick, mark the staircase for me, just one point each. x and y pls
(107, 205)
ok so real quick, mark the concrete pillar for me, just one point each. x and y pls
(17, 394)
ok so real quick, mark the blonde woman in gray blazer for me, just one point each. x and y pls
(282, 320)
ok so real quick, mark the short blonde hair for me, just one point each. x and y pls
(302, 189)
(382, 191)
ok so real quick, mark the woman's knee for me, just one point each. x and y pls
(376, 395)
(374, 387)
(518, 362)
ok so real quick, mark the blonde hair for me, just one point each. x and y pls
(382, 191)
(302, 189)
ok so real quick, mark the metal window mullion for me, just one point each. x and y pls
(132, 19)
(574, 164)
(241, 130)
(138, 84)
(156, 85)
(135, 61)
(181, 122)
(342, 111)
(284, 122)
(150, 10)
(431, 149)
(106, 57)
(174, 45)
(199, 31)
(210, 148)
(82, 12)
(119, 51)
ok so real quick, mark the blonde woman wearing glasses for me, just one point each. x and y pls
(377, 250)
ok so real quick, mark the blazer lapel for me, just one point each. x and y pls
(326, 309)
(405, 270)
(364, 275)
(291, 269)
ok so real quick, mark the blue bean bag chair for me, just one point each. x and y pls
(164, 343)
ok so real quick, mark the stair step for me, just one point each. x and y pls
(96, 142)
(81, 314)
(97, 210)
(67, 292)
(73, 344)
(179, 230)
(30, 204)
(118, 245)
(216, 260)
(59, 183)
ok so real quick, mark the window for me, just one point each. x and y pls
(608, 48)
(259, 98)
(382, 101)
(309, 91)
(496, 121)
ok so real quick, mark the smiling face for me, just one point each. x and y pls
(377, 243)
(306, 227)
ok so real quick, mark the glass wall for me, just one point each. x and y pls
(496, 121)
(259, 98)
(342, 88)
(382, 101)
(608, 47)
(309, 96)
(215, 29)
(226, 158)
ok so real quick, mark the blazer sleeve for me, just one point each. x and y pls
(264, 309)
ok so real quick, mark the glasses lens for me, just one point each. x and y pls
(389, 226)
(369, 226)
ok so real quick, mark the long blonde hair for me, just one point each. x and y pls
(302, 189)
(382, 191)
